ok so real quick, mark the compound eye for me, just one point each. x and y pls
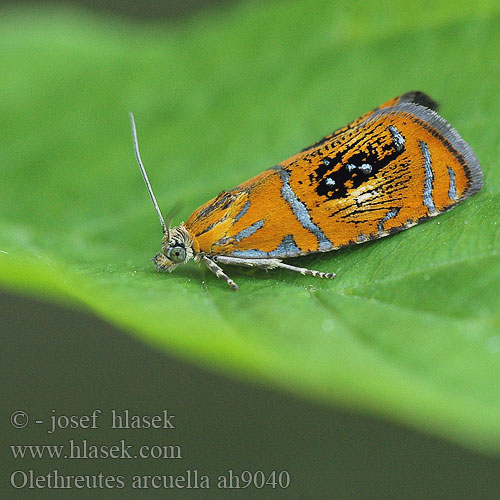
(177, 254)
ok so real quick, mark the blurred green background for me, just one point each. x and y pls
(411, 329)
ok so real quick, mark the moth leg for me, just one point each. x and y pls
(271, 264)
(304, 270)
(238, 261)
(217, 270)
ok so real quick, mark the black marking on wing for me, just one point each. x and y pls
(391, 192)
(335, 183)
(221, 202)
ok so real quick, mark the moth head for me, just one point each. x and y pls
(176, 244)
(176, 249)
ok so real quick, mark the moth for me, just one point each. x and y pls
(394, 167)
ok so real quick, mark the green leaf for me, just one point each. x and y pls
(410, 329)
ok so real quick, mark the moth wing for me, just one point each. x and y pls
(395, 166)
(400, 166)
(253, 220)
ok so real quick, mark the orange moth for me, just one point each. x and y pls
(394, 167)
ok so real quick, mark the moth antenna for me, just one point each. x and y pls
(173, 212)
(145, 176)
